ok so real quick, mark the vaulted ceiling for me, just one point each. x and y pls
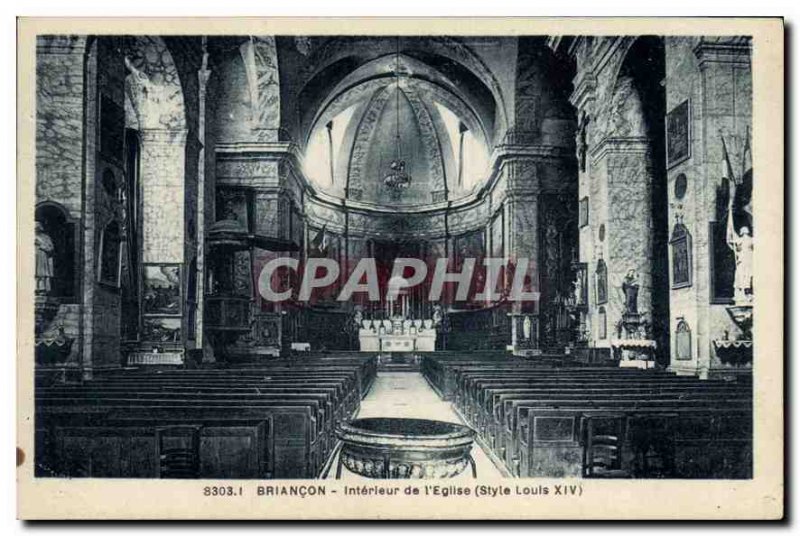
(397, 93)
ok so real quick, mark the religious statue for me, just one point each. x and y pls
(527, 326)
(742, 245)
(438, 316)
(630, 286)
(579, 287)
(44, 260)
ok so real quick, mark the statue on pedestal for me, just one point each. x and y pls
(630, 286)
(438, 315)
(44, 261)
(579, 288)
(742, 245)
(527, 327)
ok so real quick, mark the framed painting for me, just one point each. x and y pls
(601, 282)
(678, 135)
(161, 289)
(110, 258)
(583, 212)
(681, 249)
(161, 330)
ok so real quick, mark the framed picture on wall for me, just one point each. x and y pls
(683, 341)
(601, 282)
(109, 270)
(161, 289)
(678, 135)
(165, 330)
(583, 212)
(681, 248)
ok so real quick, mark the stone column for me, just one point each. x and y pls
(162, 179)
(521, 216)
(622, 204)
(203, 76)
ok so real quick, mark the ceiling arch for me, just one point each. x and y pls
(446, 61)
(345, 96)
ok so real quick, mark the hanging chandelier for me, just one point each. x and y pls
(397, 179)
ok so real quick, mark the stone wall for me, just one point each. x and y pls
(714, 75)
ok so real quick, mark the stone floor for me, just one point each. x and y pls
(407, 394)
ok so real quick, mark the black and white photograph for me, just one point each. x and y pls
(407, 259)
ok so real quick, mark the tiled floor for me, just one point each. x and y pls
(407, 394)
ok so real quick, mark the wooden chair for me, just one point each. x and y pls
(604, 436)
(178, 451)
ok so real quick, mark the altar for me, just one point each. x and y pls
(397, 330)
(397, 335)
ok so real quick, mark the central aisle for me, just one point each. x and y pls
(408, 395)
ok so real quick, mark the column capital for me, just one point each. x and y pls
(735, 51)
(163, 135)
(61, 44)
(620, 145)
(583, 96)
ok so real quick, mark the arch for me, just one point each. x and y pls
(153, 87)
(442, 54)
(641, 69)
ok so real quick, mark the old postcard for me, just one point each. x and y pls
(400, 269)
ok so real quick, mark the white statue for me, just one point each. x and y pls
(527, 326)
(579, 287)
(742, 245)
(438, 316)
(44, 260)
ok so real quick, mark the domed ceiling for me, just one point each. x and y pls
(396, 107)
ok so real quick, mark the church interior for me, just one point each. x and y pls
(170, 170)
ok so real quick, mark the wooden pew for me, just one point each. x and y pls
(274, 421)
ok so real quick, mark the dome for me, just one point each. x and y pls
(396, 114)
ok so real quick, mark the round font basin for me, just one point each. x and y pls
(405, 448)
